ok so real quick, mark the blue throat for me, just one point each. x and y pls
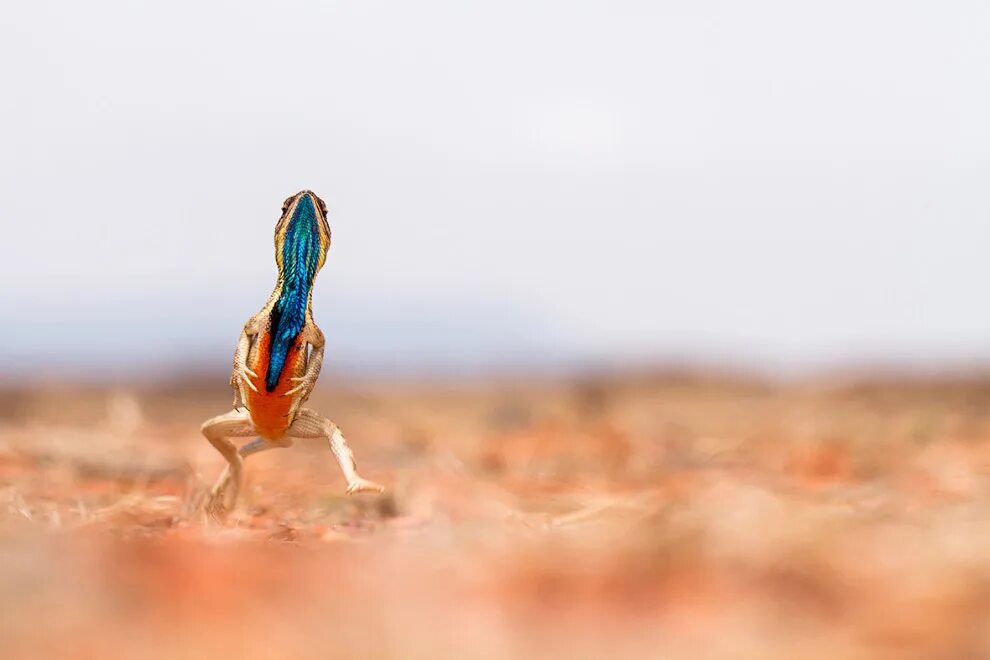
(300, 256)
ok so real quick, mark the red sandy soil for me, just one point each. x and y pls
(649, 517)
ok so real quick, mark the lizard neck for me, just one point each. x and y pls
(299, 252)
(288, 318)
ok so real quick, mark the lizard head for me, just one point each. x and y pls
(302, 236)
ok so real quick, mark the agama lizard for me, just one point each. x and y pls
(278, 359)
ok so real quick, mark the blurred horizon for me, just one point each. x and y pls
(771, 187)
(661, 325)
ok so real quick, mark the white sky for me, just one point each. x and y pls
(783, 183)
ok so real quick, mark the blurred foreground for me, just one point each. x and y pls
(643, 517)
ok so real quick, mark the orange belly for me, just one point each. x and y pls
(270, 410)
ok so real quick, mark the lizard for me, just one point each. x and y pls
(278, 359)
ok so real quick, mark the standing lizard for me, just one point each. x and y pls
(278, 359)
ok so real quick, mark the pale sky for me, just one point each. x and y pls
(777, 183)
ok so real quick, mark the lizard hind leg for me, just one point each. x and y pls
(216, 504)
(218, 430)
(309, 424)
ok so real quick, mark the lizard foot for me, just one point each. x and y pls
(217, 505)
(360, 485)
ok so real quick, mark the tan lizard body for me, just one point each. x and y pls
(278, 359)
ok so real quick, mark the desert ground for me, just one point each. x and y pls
(655, 515)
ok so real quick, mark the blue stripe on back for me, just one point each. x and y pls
(300, 256)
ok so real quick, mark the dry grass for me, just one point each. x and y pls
(627, 518)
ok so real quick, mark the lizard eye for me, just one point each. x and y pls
(285, 204)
